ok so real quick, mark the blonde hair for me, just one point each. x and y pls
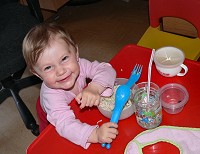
(39, 38)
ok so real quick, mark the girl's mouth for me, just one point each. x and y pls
(64, 79)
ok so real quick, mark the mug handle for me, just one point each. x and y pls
(185, 69)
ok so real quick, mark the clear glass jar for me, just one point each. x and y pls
(148, 113)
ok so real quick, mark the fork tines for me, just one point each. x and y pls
(137, 69)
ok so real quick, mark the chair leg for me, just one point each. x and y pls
(11, 87)
(4, 93)
(25, 113)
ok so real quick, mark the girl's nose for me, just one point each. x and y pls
(60, 70)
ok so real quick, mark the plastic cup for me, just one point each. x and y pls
(173, 97)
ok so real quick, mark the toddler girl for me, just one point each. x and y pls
(53, 56)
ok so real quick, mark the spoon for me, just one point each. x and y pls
(122, 95)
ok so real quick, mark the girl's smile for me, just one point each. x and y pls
(65, 79)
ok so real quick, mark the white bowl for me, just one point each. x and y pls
(127, 111)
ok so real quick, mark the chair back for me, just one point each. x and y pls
(188, 10)
(42, 116)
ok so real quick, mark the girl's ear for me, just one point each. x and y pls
(35, 73)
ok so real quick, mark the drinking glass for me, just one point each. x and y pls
(148, 110)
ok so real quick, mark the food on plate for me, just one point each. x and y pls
(108, 103)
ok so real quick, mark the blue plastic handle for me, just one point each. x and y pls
(122, 96)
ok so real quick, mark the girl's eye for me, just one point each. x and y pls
(65, 58)
(47, 68)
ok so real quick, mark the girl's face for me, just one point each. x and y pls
(58, 65)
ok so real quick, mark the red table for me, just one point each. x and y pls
(49, 142)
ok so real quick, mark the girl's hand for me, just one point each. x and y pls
(106, 133)
(90, 96)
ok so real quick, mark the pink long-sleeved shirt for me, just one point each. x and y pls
(55, 102)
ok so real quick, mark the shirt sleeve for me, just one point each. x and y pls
(59, 114)
(100, 73)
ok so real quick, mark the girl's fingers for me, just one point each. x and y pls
(112, 136)
(78, 98)
(108, 140)
(83, 104)
(112, 125)
(114, 131)
(86, 100)
(94, 102)
(97, 101)
(89, 101)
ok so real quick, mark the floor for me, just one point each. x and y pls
(100, 29)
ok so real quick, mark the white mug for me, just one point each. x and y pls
(169, 61)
